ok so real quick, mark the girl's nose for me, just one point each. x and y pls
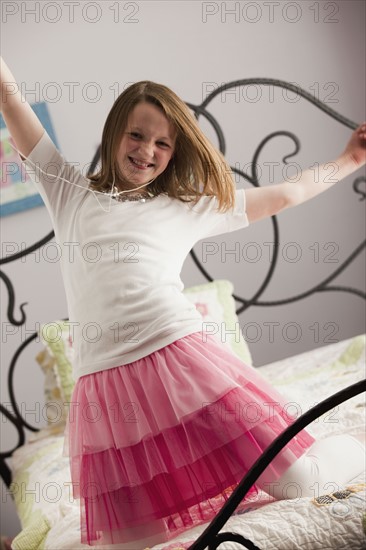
(147, 150)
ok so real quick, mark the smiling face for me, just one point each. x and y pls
(146, 147)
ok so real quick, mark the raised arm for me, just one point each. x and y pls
(267, 201)
(22, 123)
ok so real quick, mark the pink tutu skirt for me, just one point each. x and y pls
(157, 446)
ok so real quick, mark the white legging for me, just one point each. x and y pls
(327, 466)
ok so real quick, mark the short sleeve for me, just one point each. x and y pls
(48, 170)
(210, 222)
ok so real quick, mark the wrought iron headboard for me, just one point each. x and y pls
(210, 537)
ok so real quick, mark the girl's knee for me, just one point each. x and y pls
(327, 466)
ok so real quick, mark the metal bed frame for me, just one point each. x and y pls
(211, 538)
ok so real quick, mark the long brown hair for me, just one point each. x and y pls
(196, 168)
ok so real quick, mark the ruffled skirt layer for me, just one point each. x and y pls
(156, 446)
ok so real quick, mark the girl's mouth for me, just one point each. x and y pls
(140, 164)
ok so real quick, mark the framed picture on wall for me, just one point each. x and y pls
(17, 190)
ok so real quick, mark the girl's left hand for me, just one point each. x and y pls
(356, 147)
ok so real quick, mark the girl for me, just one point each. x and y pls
(165, 442)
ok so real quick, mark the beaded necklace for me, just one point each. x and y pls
(137, 197)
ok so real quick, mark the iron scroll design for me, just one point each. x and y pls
(19, 319)
(201, 110)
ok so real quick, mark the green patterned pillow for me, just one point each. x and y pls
(54, 402)
(56, 337)
(216, 304)
(33, 536)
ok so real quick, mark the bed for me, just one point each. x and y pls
(324, 387)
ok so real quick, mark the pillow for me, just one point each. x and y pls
(56, 337)
(55, 410)
(33, 535)
(216, 304)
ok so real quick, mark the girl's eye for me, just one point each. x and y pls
(136, 135)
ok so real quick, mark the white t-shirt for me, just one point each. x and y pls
(121, 269)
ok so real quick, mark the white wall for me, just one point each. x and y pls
(192, 46)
